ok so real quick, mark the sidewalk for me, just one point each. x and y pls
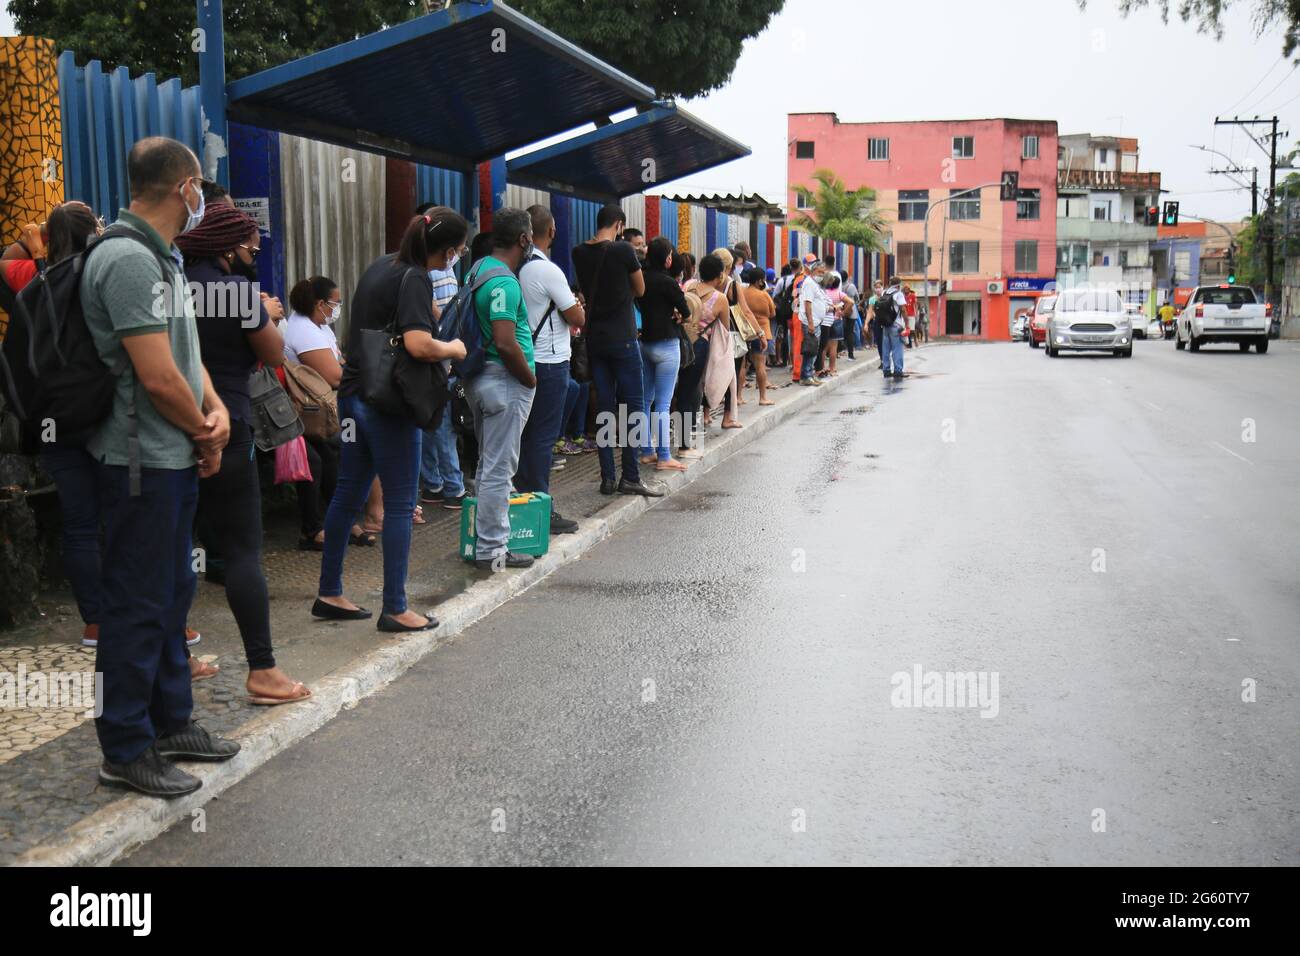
(52, 809)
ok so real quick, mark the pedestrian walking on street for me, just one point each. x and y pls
(552, 310)
(393, 293)
(890, 315)
(814, 306)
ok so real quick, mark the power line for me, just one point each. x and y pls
(1257, 84)
(1274, 89)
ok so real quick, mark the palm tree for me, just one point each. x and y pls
(841, 214)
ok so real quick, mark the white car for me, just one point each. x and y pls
(1223, 313)
(1089, 320)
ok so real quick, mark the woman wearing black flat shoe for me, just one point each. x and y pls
(390, 624)
(394, 295)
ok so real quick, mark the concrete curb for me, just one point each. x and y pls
(125, 824)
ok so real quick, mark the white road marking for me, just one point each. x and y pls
(1107, 381)
(1152, 405)
(1231, 452)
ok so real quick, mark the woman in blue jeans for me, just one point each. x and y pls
(395, 291)
(663, 308)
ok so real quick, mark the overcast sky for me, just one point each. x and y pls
(1092, 71)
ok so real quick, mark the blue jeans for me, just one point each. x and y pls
(439, 463)
(537, 444)
(616, 370)
(891, 349)
(389, 447)
(74, 472)
(661, 362)
(500, 405)
(146, 586)
(574, 422)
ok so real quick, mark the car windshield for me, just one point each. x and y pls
(1046, 305)
(1226, 296)
(1090, 301)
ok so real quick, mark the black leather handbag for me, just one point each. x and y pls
(394, 382)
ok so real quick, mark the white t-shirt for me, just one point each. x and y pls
(810, 290)
(301, 335)
(544, 283)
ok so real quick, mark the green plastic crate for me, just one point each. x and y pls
(530, 525)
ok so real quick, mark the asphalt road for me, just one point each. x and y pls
(717, 683)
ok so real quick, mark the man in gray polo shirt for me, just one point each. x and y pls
(166, 429)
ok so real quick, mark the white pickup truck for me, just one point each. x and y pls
(1223, 313)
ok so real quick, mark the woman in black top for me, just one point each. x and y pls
(663, 308)
(236, 331)
(394, 291)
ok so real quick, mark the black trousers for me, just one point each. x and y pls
(689, 394)
(231, 503)
(314, 496)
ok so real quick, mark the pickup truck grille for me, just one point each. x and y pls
(1092, 327)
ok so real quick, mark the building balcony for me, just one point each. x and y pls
(1107, 179)
(1095, 230)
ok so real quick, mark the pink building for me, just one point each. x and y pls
(995, 257)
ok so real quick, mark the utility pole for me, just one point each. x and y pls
(1269, 198)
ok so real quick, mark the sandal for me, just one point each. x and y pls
(202, 670)
(299, 692)
(309, 543)
(767, 401)
(670, 465)
(362, 538)
(417, 516)
(649, 459)
(732, 425)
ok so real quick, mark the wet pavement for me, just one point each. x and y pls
(49, 756)
(728, 679)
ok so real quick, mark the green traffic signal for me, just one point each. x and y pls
(1232, 278)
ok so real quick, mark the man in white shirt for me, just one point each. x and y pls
(552, 309)
(814, 305)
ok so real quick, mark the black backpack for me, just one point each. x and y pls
(785, 300)
(50, 369)
(886, 310)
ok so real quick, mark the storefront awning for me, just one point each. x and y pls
(658, 145)
(451, 88)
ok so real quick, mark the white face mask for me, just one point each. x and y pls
(332, 315)
(452, 259)
(195, 215)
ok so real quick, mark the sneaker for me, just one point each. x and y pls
(192, 637)
(508, 559)
(194, 743)
(455, 502)
(559, 460)
(562, 525)
(429, 496)
(559, 467)
(558, 447)
(90, 636)
(570, 448)
(626, 487)
(150, 774)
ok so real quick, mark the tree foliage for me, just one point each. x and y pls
(1252, 251)
(1207, 15)
(839, 213)
(678, 48)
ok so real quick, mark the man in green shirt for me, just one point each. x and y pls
(502, 394)
(166, 429)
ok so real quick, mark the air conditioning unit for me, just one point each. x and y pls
(994, 288)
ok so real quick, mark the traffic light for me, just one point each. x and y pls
(1171, 214)
(1153, 216)
(1232, 269)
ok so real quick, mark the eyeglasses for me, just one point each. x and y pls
(253, 251)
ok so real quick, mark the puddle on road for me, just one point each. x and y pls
(856, 410)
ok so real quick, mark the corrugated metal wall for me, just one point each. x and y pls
(104, 115)
(436, 185)
(634, 206)
(521, 197)
(333, 224)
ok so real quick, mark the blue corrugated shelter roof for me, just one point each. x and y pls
(661, 143)
(451, 88)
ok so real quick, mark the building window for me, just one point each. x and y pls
(1101, 210)
(1026, 255)
(913, 204)
(911, 260)
(877, 148)
(1027, 204)
(963, 147)
(1029, 147)
(965, 256)
(1103, 156)
(1071, 255)
(965, 207)
(803, 149)
(801, 201)
(1123, 258)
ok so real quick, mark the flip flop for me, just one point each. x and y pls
(417, 516)
(362, 538)
(767, 402)
(300, 692)
(204, 672)
(733, 425)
